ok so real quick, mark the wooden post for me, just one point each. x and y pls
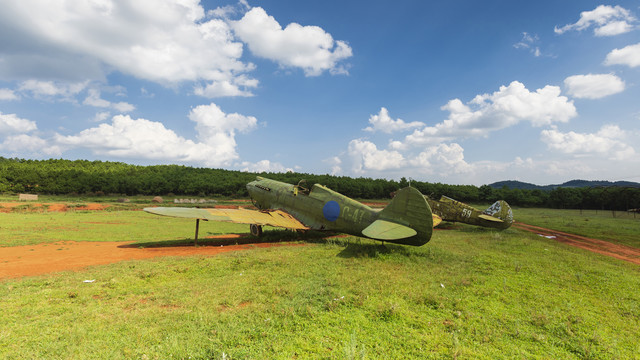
(197, 228)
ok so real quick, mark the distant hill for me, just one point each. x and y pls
(513, 184)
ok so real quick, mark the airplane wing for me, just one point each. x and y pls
(276, 218)
(490, 218)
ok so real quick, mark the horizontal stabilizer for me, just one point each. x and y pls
(386, 230)
(489, 218)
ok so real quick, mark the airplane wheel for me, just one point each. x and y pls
(256, 230)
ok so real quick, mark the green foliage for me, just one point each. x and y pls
(57, 176)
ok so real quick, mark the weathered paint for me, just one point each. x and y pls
(324, 209)
(241, 216)
(497, 216)
(406, 220)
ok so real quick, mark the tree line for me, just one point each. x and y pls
(58, 176)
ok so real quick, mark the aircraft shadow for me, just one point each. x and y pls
(272, 236)
(353, 247)
(358, 249)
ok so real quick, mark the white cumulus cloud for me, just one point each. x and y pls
(307, 47)
(609, 140)
(613, 28)
(8, 94)
(443, 158)
(125, 137)
(123, 107)
(223, 88)
(383, 122)
(101, 116)
(164, 41)
(366, 156)
(489, 112)
(135, 138)
(12, 124)
(218, 129)
(607, 21)
(51, 89)
(29, 144)
(628, 55)
(593, 86)
(335, 162)
(264, 166)
(93, 99)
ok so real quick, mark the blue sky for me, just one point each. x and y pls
(459, 92)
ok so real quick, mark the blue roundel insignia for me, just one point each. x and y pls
(331, 210)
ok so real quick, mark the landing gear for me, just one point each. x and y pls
(255, 230)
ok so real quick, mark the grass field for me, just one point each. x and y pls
(619, 227)
(45, 227)
(469, 293)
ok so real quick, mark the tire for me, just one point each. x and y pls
(255, 230)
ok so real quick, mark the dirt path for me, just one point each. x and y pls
(7, 207)
(39, 259)
(617, 251)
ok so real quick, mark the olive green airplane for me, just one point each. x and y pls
(497, 216)
(406, 220)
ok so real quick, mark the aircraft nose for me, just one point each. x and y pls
(251, 186)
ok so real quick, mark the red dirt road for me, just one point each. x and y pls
(617, 251)
(57, 207)
(39, 259)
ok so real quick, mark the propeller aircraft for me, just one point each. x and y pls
(497, 216)
(406, 220)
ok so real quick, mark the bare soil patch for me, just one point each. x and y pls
(39, 259)
(55, 207)
(617, 251)
(375, 204)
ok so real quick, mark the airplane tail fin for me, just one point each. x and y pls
(406, 220)
(501, 210)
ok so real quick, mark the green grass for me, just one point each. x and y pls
(624, 228)
(469, 293)
(45, 227)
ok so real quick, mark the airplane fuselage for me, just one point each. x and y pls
(455, 211)
(406, 220)
(319, 209)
